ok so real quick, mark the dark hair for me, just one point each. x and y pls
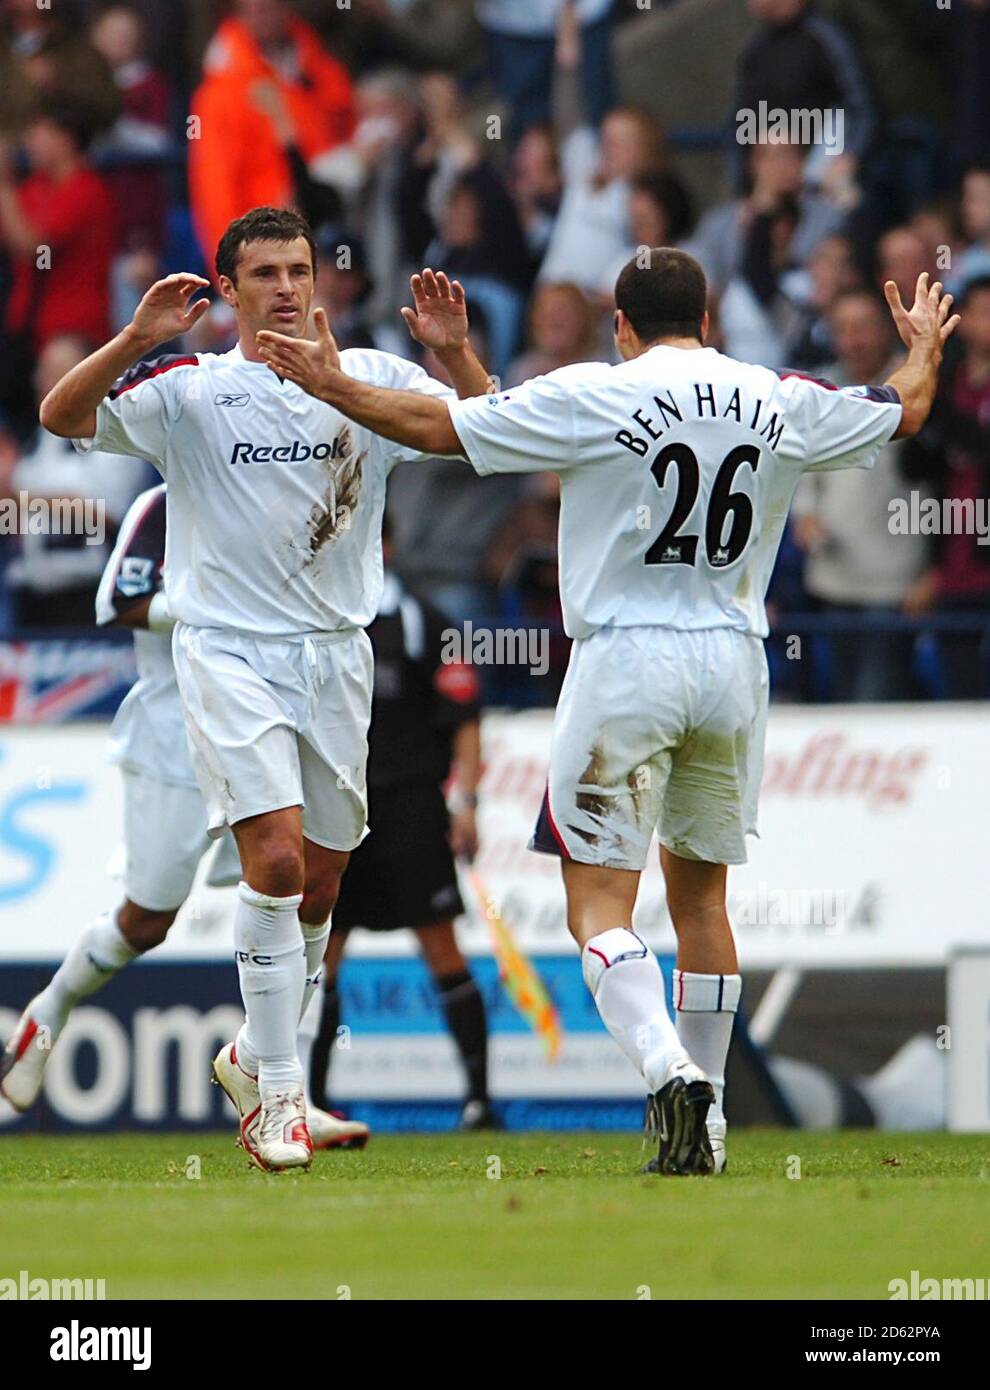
(663, 294)
(977, 285)
(261, 224)
(68, 116)
(668, 192)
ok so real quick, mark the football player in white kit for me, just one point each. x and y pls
(165, 821)
(273, 569)
(677, 468)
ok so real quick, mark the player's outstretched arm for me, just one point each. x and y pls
(69, 409)
(439, 321)
(411, 418)
(924, 330)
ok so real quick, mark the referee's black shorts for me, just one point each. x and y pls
(403, 874)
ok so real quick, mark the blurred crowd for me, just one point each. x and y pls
(496, 139)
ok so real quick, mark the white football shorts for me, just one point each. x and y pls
(276, 722)
(656, 730)
(165, 837)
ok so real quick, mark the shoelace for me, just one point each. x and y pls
(276, 1115)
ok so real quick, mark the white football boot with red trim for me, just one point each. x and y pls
(23, 1061)
(332, 1132)
(283, 1135)
(242, 1091)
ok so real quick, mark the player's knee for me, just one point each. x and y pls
(276, 868)
(320, 895)
(143, 928)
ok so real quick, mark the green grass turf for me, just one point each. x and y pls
(417, 1217)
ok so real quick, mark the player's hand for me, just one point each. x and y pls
(928, 319)
(464, 833)
(165, 311)
(439, 319)
(309, 362)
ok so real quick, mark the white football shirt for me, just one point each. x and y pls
(676, 474)
(275, 500)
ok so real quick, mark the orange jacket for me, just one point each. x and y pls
(237, 162)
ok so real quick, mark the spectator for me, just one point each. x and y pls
(831, 271)
(343, 287)
(937, 222)
(479, 241)
(382, 187)
(906, 46)
(776, 172)
(536, 187)
(561, 331)
(902, 256)
(659, 215)
(974, 211)
(54, 577)
(952, 456)
(59, 229)
(855, 566)
(799, 61)
(592, 229)
(757, 311)
(419, 34)
(140, 138)
(45, 62)
(266, 73)
(527, 38)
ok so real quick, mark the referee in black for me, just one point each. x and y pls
(425, 727)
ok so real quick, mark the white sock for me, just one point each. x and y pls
(309, 1026)
(623, 975)
(98, 953)
(272, 969)
(705, 1007)
(315, 945)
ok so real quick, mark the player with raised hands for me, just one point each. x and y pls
(677, 468)
(273, 569)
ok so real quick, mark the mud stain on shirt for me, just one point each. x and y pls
(329, 518)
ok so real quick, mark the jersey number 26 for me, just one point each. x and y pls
(672, 548)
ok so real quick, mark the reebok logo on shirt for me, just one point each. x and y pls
(296, 452)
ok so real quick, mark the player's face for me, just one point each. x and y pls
(274, 287)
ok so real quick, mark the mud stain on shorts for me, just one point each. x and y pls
(612, 811)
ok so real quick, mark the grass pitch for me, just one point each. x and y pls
(420, 1217)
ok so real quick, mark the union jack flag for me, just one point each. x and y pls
(50, 681)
